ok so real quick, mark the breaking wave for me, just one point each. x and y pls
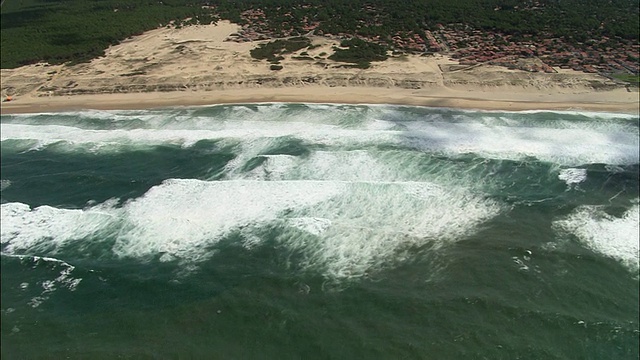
(346, 190)
(615, 237)
(568, 139)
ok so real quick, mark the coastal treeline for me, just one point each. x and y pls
(359, 52)
(60, 31)
(77, 30)
(577, 19)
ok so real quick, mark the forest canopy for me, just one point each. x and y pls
(60, 31)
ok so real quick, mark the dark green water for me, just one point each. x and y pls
(290, 231)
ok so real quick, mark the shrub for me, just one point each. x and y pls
(272, 50)
(359, 52)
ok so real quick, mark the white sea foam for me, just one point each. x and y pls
(374, 225)
(184, 217)
(93, 114)
(347, 212)
(379, 125)
(250, 149)
(614, 237)
(618, 145)
(572, 176)
(344, 229)
(4, 184)
(63, 279)
(46, 229)
(590, 114)
(322, 134)
(312, 225)
(356, 165)
(353, 166)
(180, 218)
(396, 107)
(274, 167)
(564, 142)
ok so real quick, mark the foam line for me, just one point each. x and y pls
(564, 146)
(63, 279)
(180, 218)
(568, 143)
(45, 228)
(614, 237)
(184, 217)
(373, 225)
(344, 229)
(38, 258)
(49, 134)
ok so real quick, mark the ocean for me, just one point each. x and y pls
(312, 231)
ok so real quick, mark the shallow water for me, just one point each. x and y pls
(320, 231)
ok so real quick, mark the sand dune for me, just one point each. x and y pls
(196, 66)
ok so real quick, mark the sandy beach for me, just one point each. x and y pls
(197, 65)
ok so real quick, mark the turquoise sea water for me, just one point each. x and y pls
(293, 231)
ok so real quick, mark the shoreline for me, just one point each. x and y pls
(436, 97)
(197, 66)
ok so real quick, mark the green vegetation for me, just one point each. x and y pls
(631, 79)
(359, 52)
(361, 65)
(77, 30)
(275, 67)
(272, 50)
(276, 60)
(573, 19)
